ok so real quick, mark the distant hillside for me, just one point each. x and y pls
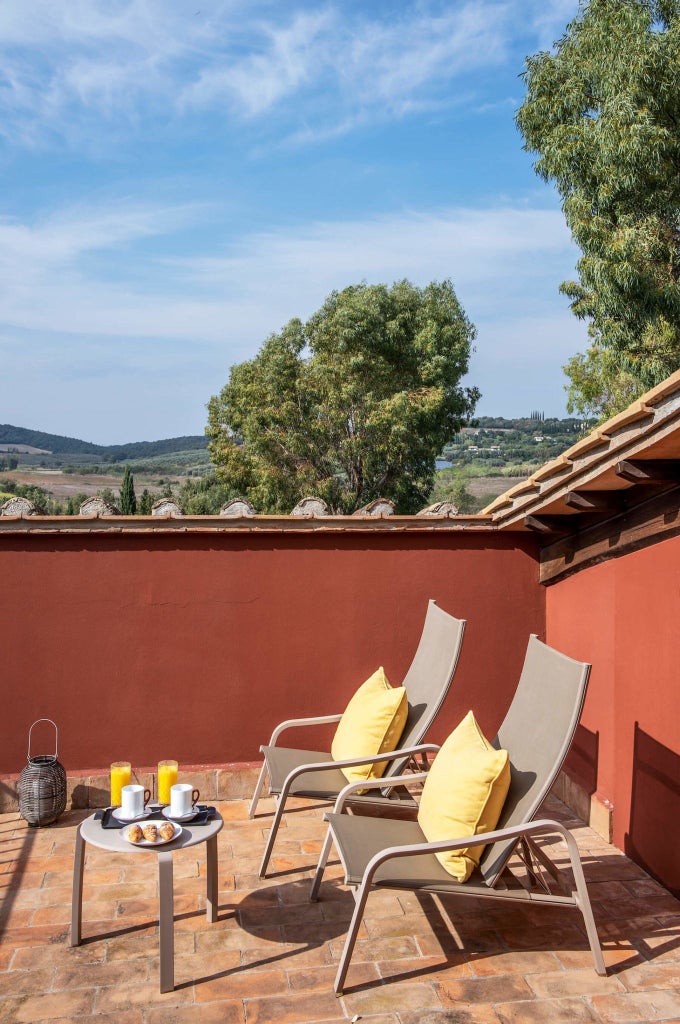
(59, 445)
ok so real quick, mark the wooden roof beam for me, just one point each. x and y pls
(648, 471)
(595, 501)
(550, 525)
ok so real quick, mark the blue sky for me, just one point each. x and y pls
(180, 179)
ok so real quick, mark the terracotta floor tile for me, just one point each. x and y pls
(425, 968)
(103, 975)
(513, 962)
(14, 983)
(637, 1006)
(206, 1013)
(650, 975)
(35, 936)
(292, 1008)
(572, 983)
(56, 954)
(372, 950)
(239, 984)
(136, 946)
(286, 956)
(144, 995)
(392, 997)
(320, 979)
(51, 1006)
(546, 1011)
(501, 989)
(469, 1014)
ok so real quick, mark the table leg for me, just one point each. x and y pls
(211, 871)
(166, 921)
(77, 892)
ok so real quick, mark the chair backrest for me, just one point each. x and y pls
(429, 676)
(537, 733)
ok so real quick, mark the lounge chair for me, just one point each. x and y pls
(537, 732)
(314, 774)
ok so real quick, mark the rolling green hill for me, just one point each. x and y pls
(68, 446)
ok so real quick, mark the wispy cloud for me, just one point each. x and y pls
(207, 311)
(64, 64)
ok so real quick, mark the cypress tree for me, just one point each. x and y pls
(128, 499)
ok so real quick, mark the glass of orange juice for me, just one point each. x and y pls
(120, 776)
(167, 777)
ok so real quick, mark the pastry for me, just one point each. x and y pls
(166, 831)
(135, 834)
(150, 832)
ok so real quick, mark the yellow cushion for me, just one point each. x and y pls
(464, 794)
(372, 723)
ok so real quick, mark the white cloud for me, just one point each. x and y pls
(63, 64)
(195, 316)
(494, 257)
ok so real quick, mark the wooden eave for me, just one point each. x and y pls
(618, 489)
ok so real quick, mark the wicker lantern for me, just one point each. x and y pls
(42, 784)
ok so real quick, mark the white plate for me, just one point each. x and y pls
(117, 813)
(159, 841)
(180, 817)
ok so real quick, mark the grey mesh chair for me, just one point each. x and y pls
(314, 774)
(537, 732)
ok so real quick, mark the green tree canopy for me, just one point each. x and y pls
(351, 406)
(603, 113)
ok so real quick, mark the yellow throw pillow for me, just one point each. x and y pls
(372, 723)
(464, 794)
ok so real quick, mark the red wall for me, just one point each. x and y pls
(193, 646)
(624, 617)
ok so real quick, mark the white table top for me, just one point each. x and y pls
(113, 839)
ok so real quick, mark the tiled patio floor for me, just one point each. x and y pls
(272, 955)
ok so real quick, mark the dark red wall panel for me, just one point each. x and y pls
(194, 646)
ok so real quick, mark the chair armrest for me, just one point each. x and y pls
(482, 838)
(292, 723)
(389, 783)
(387, 755)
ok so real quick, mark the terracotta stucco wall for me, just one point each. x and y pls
(624, 617)
(194, 646)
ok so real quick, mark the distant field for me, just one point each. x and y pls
(65, 485)
(491, 485)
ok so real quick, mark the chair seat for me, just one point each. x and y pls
(358, 839)
(323, 785)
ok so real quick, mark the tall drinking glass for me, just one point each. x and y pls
(167, 777)
(121, 772)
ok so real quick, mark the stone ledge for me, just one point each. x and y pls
(90, 789)
(598, 813)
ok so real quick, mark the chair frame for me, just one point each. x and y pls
(397, 759)
(527, 832)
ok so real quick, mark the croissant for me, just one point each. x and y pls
(150, 833)
(135, 834)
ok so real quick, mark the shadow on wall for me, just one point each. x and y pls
(582, 759)
(654, 837)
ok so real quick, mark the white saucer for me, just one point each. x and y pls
(117, 813)
(179, 817)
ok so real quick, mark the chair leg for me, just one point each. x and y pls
(323, 857)
(350, 941)
(280, 805)
(583, 903)
(258, 790)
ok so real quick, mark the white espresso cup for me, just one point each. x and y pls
(132, 801)
(182, 799)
